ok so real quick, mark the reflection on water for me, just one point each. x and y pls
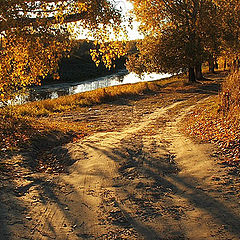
(56, 90)
(61, 89)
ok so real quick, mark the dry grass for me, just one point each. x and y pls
(230, 96)
(217, 120)
(20, 124)
(68, 103)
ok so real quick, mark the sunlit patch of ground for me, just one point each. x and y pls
(67, 119)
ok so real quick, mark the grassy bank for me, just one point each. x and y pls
(218, 120)
(73, 102)
(19, 125)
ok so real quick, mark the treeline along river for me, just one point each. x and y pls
(80, 74)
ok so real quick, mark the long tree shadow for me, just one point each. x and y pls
(147, 178)
(200, 199)
(53, 200)
(210, 88)
(26, 210)
(142, 196)
(158, 176)
(11, 211)
(134, 163)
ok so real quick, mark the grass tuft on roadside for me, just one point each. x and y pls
(103, 95)
(19, 125)
(217, 120)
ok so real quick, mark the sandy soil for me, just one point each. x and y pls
(139, 177)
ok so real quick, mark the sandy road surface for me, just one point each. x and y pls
(144, 181)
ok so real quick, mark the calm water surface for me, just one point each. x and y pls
(51, 91)
(122, 77)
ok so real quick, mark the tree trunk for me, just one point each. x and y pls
(191, 75)
(225, 64)
(211, 65)
(198, 72)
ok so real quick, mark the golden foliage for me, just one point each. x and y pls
(107, 52)
(182, 35)
(25, 59)
(35, 35)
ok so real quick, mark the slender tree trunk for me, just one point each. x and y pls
(191, 75)
(211, 65)
(198, 72)
(225, 64)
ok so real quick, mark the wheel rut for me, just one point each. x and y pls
(145, 181)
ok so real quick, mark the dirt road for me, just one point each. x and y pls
(145, 180)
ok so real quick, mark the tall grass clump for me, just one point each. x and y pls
(19, 124)
(230, 96)
(218, 120)
(98, 96)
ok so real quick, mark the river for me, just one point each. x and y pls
(51, 91)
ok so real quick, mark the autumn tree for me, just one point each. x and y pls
(35, 35)
(178, 35)
(230, 25)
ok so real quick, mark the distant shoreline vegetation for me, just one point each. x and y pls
(80, 66)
